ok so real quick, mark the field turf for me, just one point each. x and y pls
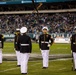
(54, 49)
(56, 67)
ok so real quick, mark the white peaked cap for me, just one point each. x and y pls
(45, 28)
(23, 30)
(75, 27)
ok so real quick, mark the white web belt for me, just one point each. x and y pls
(24, 44)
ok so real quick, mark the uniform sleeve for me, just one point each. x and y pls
(15, 42)
(2, 41)
(30, 43)
(71, 39)
(40, 42)
(18, 42)
(51, 39)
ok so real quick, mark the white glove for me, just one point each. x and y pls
(71, 51)
(48, 45)
(14, 49)
(40, 48)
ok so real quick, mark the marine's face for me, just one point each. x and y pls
(18, 32)
(44, 31)
(74, 31)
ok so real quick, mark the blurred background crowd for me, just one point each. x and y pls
(57, 23)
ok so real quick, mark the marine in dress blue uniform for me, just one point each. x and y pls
(45, 41)
(1, 46)
(17, 46)
(73, 48)
(25, 49)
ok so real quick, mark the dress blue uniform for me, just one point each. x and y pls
(16, 46)
(1, 46)
(25, 49)
(73, 48)
(45, 41)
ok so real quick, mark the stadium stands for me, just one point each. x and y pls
(57, 23)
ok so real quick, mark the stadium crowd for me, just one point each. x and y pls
(57, 23)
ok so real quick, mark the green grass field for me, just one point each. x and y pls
(56, 67)
(54, 49)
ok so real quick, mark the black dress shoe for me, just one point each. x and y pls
(23, 73)
(74, 69)
(18, 65)
(44, 67)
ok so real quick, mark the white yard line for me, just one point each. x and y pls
(16, 68)
(35, 64)
(12, 65)
(9, 69)
(63, 59)
(62, 68)
(32, 65)
(62, 47)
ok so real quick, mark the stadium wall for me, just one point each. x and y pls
(62, 40)
(58, 38)
(40, 11)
